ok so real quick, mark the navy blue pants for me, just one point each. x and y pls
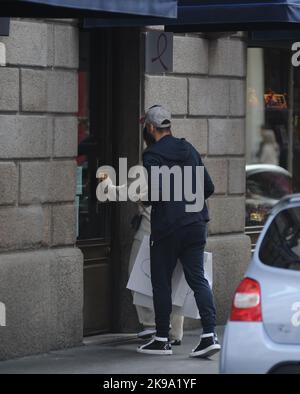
(186, 244)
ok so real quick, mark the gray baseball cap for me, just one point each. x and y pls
(158, 116)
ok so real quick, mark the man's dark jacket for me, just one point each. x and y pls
(169, 216)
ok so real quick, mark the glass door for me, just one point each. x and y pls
(93, 218)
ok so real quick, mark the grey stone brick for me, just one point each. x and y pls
(25, 290)
(62, 182)
(66, 298)
(34, 90)
(9, 89)
(155, 28)
(226, 136)
(208, 96)
(47, 210)
(227, 215)
(66, 46)
(64, 224)
(8, 183)
(69, 21)
(23, 227)
(190, 55)
(47, 181)
(26, 43)
(52, 91)
(25, 136)
(65, 137)
(227, 57)
(34, 182)
(231, 256)
(237, 176)
(237, 98)
(62, 91)
(50, 44)
(168, 91)
(217, 169)
(193, 130)
(43, 294)
(240, 34)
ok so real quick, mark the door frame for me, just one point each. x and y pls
(115, 84)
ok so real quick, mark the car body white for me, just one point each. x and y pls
(261, 346)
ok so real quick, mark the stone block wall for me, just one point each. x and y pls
(40, 269)
(41, 273)
(206, 95)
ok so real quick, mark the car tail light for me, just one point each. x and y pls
(246, 305)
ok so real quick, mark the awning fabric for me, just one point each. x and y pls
(155, 8)
(198, 14)
(237, 11)
(275, 35)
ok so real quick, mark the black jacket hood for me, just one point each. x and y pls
(171, 148)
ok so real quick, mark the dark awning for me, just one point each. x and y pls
(238, 11)
(275, 35)
(201, 15)
(155, 8)
(273, 38)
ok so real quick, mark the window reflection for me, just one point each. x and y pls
(269, 127)
(281, 245)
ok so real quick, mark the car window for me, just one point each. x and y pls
(269, 184)
(281, 245)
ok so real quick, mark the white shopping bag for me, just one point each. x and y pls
(143, 300)
(140, 278)
(183, 300)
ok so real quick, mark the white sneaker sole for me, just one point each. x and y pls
(157, 352)
(209, 351)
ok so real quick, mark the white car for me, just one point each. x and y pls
(263, 331)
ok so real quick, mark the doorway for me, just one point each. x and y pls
(107, 129)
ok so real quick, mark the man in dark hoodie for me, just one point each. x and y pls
(176, 234)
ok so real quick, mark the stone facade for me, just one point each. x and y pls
(40, 269)
(206, 95)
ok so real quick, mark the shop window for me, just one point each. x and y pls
(272, 130)
(93, 218)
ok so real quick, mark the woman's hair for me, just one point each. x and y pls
(148, 138)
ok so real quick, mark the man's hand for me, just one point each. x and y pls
(102, 177)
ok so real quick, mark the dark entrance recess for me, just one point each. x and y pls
(108, 128)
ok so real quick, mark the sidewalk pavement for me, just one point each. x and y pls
(115, 354)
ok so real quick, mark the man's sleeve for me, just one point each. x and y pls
(150, 161)
(209, 187)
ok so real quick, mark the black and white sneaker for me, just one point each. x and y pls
(146, 334)
(157, 345)
(208, 346)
